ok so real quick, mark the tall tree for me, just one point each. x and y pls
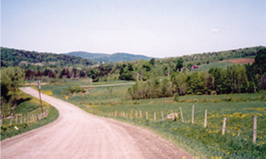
(152, 61)
(260, 60)
(179, 63)
(11, 78)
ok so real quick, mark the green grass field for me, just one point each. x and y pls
(206, 67)
(239, 109)
(220, 64)
(30, 106)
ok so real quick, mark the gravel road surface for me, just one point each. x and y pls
(78, 134)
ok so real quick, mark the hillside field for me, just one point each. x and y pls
(239, 109)
(223, 64)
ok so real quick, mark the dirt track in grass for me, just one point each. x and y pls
(240, 61)
(78, 134)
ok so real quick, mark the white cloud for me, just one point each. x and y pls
(215, 30)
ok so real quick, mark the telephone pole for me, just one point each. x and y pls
(39, 86)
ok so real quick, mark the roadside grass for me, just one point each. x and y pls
(236, 143)
(30, 106)
(239, 109)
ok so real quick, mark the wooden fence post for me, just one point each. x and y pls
(140, 114)
(131, 114)
(181, 114)
(154, 116)
(162, 115)
(11, 120)
(255, 129)
(147, 117)
(224, 126)
(205, 120)
(47, 111)
(21, 118)
(80, 94)
(192, 121)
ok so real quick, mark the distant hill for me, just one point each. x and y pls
(116, 57)
(15, 57)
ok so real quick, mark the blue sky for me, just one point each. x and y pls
(158, 28)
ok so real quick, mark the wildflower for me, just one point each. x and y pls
(228, 152)
(218, 149)
(139, 121)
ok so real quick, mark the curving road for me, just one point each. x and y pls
(78, 134)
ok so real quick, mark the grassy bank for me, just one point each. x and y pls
(29, 106)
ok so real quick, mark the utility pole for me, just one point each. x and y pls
(80, 94)
(39, 86)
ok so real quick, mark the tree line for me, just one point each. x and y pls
(14, 57)
(234, 79)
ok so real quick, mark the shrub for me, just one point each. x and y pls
(216, 100)
(261, 96)
(199, 93)
(195, 100)
(227, 99)
(237, 99)
(176, 96)
(3, 128)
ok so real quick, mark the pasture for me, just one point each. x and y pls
(239, 109)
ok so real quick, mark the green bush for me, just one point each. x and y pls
(176, 96)
(3, 128)
(215, 100)
(199, 93)
(227, 99)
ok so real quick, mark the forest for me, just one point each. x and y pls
(14, 57)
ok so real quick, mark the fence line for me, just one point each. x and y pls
(126, 115)
(26, 118)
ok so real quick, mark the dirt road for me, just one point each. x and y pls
(78, 134)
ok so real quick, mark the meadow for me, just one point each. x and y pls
(220, 64)
(206, 67)
(239, 109)
(31, 106)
